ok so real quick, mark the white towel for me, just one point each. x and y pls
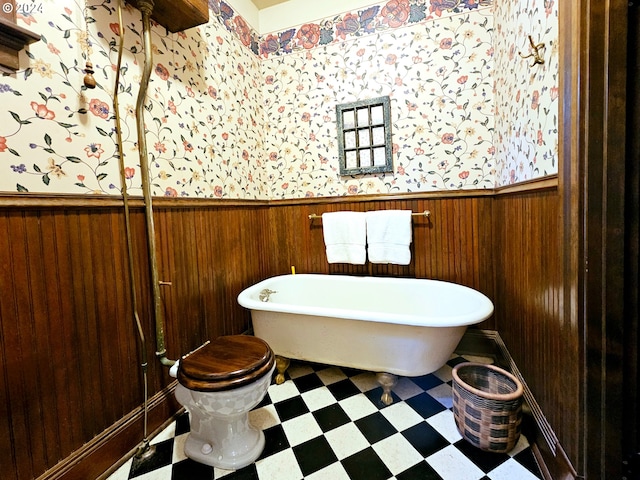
(389, 236)
(345, 237)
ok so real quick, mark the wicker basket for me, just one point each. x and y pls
(487, 406)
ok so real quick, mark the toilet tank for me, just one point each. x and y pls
(178, 15)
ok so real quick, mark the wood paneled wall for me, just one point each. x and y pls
(64, 341)
(453, 244)
(69, 355)
(209, 255)
(545, 345)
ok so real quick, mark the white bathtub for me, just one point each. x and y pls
(399, 326)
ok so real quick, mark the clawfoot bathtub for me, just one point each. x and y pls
(392, 326)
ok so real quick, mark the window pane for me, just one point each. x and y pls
(363, 136)
(377, 116)
(379, 157)
(365, 158)
(352, 160)
(350, 139)
(378, 136)
(348, 119)
(363, 117)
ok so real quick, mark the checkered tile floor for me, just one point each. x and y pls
(328, 423)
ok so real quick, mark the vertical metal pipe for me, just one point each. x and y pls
(132, 273)
(146, 7)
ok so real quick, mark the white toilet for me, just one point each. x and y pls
(218, 385)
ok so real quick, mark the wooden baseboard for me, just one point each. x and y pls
(97, 458)
(551, 457)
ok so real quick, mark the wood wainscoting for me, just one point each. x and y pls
(530, 285)
(453, 244)
(70, 359)
(69, 352)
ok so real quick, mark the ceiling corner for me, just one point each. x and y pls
(266, 3)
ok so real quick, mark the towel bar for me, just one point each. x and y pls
(426, 213)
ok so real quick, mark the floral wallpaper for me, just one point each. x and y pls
(526, 96)
(203, 114)
(437, 71)
(232, 114)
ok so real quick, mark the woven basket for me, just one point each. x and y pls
(487, 406)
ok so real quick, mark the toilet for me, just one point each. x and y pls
(219, 384)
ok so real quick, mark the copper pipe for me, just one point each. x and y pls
(146, 7)
(144, 447)
(125, 196)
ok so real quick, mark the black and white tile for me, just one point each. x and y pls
(328, 423)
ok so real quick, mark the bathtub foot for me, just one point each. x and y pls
(387, 381)
(282, 364)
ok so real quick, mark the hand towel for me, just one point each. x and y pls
(389, 236)
(345, 237)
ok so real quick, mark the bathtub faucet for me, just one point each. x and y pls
(265, 294)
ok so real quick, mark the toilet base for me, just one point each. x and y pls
(236, 450)
(221, 435)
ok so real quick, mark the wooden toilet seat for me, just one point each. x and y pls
(225, 363)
